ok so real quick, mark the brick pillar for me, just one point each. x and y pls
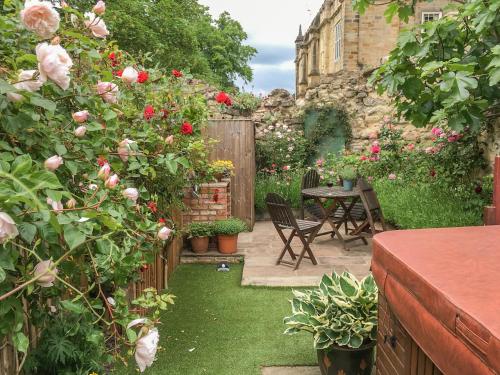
(213, 203)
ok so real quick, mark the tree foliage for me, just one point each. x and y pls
(446, 71)
(181, 34)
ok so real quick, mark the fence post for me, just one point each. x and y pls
(492, 213)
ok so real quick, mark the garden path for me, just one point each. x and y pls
(262, 247)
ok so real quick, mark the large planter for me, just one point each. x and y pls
(227, 244)
(347, 361)
(200, 244)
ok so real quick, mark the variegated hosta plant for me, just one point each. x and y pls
(342, 311)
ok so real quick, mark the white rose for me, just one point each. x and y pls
(54, 63)
(145, 349)
(124, 149)
(130, 75)
(108, 92)
(40, 17)
(53, 162)
(164, 233)
(99, 7)
(80, 116)
(80, 131)
(8, 228)
(96, 25)
(131, 193)
(25, 82)
(48, 273)
(104, 172)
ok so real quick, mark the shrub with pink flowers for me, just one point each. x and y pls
(85, 155)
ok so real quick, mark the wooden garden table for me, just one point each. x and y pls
(339, 196)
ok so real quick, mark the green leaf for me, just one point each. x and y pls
(21, 342)
(6, 87)
(27, 231)
(38, 101)
(75, 307)
(109, 115)
(61, 149)
(73, 236)
(3, 275)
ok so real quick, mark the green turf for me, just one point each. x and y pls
(234, 330)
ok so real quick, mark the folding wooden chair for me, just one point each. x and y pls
(282, 217)
(372, 209)
(309, 180)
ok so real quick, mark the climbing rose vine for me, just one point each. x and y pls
(91, 140)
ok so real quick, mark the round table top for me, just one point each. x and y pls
(333, 192)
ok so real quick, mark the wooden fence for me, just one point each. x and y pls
(237, 143)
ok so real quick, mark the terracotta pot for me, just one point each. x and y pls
(348, 361)
(227, 244)
(200, 244)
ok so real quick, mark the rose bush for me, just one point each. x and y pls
(88, 186)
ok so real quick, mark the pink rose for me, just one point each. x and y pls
(131, 193)
(124, 149)
(54, 63)
(129, 75)
(40, 17)
(96, 25)
(164, 233)
(319, 162)
(99, 7)
(437, 131)
(392, 176)
(8, 228)
(108, 92)
(53, 162)
(80, 116)
(46, 273)
(112, 181)
(80, 131)
(410, 147)
(57, 206)
(104, 172)
(169, 140)
(375, 149)
(26, 81)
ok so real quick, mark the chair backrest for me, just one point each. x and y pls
(368, 196)
(280, 211)
(310, 179)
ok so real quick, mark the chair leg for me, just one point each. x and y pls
(287, 247)
(306, 249)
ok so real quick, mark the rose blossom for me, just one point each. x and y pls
(80, 116)
(25, 82)
(145, 349)
(392, 176)
(40, 17)
(96, 25)
(93, 187)
(54, 63)
(437, 131)
(108, 91)
(223, 98)
(124, 149)
(375, 149)
(57, 206)
(104, 172)
(411, 147)
(131, 193)
(71, 203)
(8, 228)
(164, 233)
(46, 273)
(186, 128)
(149, 112)
(177, 73)
(143, 76)
(99, 7)
(80, 131)
(53, 162)
(129, 75)
(112, 181)
(169, 140)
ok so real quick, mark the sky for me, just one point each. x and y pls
(272, 26)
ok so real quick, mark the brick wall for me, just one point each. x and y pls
(213, 203)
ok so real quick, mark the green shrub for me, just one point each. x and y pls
(286, 184)
(246, 103)
(348, 173)
(200, 229)
(230, 226)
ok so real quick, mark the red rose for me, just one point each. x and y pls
(152, 207)
(149, 112)
(101, 160)
(118, 73)
(112, 56)
(223, 98)
(186, 128)
(142, 76)
(177, 73)
(162, 221)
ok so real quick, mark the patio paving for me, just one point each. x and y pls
(262, 247)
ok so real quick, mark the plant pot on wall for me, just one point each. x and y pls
(228, 244)
(347, 361)
(200, 244)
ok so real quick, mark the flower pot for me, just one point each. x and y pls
(347, 361)
(200, 244)
(227, 244)
(348, 185)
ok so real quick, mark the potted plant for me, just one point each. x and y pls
(348, 175)
(199, 233)
(342, 316)
(222, 169)
(227, 234)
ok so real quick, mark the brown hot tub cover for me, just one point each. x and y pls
(443, 285)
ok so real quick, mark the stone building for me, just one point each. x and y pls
(339, 38)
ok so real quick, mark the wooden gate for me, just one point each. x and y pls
(237, 143)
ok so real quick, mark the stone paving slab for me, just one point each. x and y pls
(292, 370)
(262, 247)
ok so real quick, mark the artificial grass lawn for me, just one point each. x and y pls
(233, 329)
